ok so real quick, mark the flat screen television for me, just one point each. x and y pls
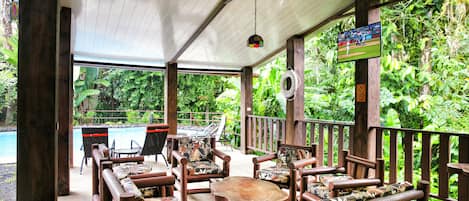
(359, 43)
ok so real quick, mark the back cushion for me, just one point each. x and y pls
(287, 155)
(196, 148)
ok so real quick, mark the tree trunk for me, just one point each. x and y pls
(426, 60)
(6, 33)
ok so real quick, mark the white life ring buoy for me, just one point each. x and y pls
(289, 84)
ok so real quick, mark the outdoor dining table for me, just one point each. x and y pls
(246, 188)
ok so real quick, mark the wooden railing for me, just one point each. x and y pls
(264, 132)
(143, 116)
(409, 138)
(332, 136)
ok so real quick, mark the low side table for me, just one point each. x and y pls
(127, 152)
(246, 188)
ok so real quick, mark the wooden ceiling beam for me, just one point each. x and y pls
(200, 29)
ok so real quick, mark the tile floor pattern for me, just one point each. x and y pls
(80, 185)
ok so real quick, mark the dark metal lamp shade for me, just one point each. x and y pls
(255, 41)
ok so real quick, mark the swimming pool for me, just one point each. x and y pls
(122, 136)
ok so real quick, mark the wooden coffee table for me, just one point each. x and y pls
(246, 188)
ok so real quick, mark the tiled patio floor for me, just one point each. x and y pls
(80, 185)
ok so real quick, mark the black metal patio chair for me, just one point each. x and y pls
(92, 135)
(155, 139)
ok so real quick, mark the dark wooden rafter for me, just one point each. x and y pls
(222, 72)
(218, 8)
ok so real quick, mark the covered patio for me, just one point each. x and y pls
(199, 37)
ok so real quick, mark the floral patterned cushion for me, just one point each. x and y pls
(319, 185)
(196, 149)
(130, 187)
(375, 192)
(203, 167)
(287, 154)
(126, 169)
(275, 174)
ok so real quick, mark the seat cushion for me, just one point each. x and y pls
(130, 187)
(195, 148)
(203, 167)
(287, 154)
(375, 192)
(274, 174)
(319, 185)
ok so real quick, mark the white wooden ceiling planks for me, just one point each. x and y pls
(150, 32)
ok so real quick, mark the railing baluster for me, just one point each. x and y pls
(463, 181)
(341, 146)
(320, 153)
(393, 157)
(271, 135)
(249, 130)
(284, 130)
(426, 156)
(259, 139)
(442, 169)
(312, 132)
(408, 157)
(379, 143)
(330, 145)
(265, 135)
(254, 132)
(350, 139)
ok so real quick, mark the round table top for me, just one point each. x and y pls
(126, 151)
(459, 168)
(246, 188)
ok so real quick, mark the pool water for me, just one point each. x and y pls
(122, 136)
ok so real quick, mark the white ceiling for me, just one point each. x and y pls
(150, 32)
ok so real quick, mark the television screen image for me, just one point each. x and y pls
(360, 43)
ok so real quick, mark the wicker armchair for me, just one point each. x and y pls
(193, 160)
(282, 173)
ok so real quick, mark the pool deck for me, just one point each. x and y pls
(80, 185)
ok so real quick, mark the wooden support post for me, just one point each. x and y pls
(37, 134)
(70, 114)
(295, 108)
(246, 106)
(463, 180)
(170, 97)
(367, 86)
(64, 101)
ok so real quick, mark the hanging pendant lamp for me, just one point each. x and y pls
(255, 41)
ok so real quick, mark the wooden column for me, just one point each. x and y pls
(295, 108)
(246, 105)
(64, 102)
(367, 84)
(170, 97)
(37, 135)
(70, 113)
